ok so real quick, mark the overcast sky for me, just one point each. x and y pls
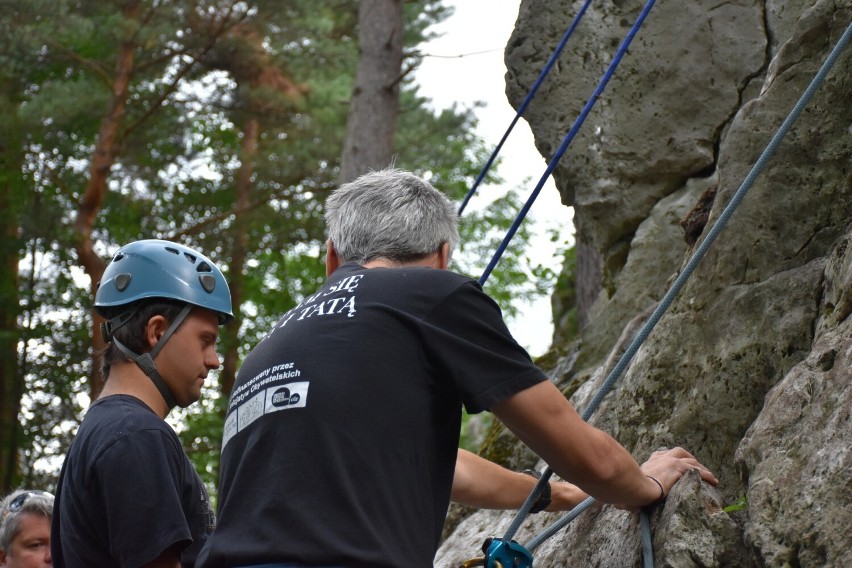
(466, 65)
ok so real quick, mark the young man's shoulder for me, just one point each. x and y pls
(123, 405)
(117, 416)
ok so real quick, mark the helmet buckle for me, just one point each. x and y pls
(106, 332)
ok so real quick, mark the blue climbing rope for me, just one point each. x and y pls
(572, 132)
(544, 72)
(545, 478)
(667, 300)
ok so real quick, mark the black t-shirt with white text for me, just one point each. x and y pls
(127, 492)
(343, 426)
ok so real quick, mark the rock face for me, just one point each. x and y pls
(751, 367)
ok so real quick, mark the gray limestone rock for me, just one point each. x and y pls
(796, 453)
(751, 366)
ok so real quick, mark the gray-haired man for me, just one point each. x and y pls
(25, 529)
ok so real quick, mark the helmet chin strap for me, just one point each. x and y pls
(146, 360)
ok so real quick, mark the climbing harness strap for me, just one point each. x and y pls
(146, 360)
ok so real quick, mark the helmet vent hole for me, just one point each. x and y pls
(173, 250)
(118, 256)
(204, 267)
(190, 257)
(208, 282)
(122, 281)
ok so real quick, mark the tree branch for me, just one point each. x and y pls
(222, 28)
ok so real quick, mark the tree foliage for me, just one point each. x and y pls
(217, 123)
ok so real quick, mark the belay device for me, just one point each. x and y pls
(502, 553)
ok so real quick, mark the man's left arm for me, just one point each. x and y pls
(483, 484)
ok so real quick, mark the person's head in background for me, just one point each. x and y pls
(25, 529)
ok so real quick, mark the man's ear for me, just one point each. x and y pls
(444, 256)
(155, 329)
(332, 261)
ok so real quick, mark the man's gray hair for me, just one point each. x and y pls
(390, 214)
(17, 503)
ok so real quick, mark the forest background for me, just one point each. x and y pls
(219, 124)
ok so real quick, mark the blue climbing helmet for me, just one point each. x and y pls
(155, 269)
(163, 269)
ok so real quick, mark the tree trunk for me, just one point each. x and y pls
(106, 150)
(251, 65)
(12, 186)
(248, 152)
(375, 99)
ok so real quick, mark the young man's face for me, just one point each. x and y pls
(189, 355)
(31, 546)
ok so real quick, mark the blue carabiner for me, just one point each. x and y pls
(501, 553)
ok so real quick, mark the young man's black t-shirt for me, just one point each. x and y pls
(343, 426)
(127, 492)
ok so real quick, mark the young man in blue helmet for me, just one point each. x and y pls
(127, 494)
(340, 442)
